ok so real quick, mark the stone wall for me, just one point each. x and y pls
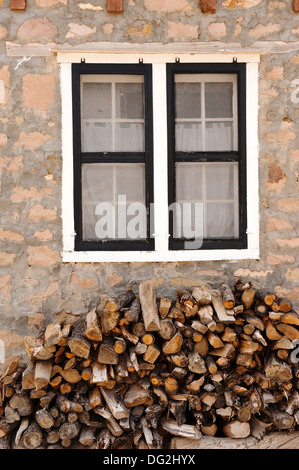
(34, 283)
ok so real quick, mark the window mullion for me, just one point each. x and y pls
(161, 224)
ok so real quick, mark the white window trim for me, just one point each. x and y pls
(161, 253)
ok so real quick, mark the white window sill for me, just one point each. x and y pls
(157, 256)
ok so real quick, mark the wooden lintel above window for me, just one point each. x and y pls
(18, 5)
(296, 6)
(208, 6)
(115, 6)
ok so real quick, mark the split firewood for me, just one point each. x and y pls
(248, 297)
(133, 312)
(53, 334)
(115, 404)
(77, 343)
(149, 307)
(184, 430)
(164, 307)
(93, 331)
(228, 297)
(136, 395)
(121, 301)
(236, 429)
(107, 354)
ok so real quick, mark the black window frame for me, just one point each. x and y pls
(81, 158)
(207, 156)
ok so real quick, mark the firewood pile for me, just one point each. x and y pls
(137, 370)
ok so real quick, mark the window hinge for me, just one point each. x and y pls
(83, 60)
(140, 61)
(235, 60)
(177, 60)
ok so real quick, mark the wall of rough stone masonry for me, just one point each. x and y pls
(34, 283)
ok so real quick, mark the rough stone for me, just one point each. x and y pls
(37, 28)
(42, 256)
(182, 31)
(38, 90)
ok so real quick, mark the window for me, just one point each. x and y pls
(113, 158)
(159, 157)
(207, 154)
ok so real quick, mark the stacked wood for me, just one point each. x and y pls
(137, 370)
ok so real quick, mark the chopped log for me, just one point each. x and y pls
(220, 309)
(87, 436)
(214, 340)
(174, 345)
(11, 415)
(205, 314)
(115, 404)
(120, 345)
(72, 376)
(288, 330)
(264, 296)
(167, 329)
(292, 318)
(23, 426)
(228, 297)
(129, 336)
(196, 363)
(136, 395)
(184, 430)
(99, 374)
(121, 301)
(32, 436)
(164, 306)
(277, 370)
(93, 331)
(280, 419)
(271, 332)
(179, 359)
(236, 429)
(107, 354)
(148, 339)
(77, 343)
(28, 376)
(138, 329)
(202, 347)
(152, 353)
(285, 305)
(248, 297)
(171, 385)
(132, 314)
(201, 295)
(149, 306)
(44, 419)
(68, 431)
(21, 403)
(53, 334)
(42, 373)
(109, 320)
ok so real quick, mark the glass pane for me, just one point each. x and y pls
(189, 182)
(188, 136)
(222, 181)
(113, 201)
(96, 136)
(96, 100)
(220, 221)
(188, 100)
(219, 136)
(129, 100)
(219, 100)
(129, 137)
